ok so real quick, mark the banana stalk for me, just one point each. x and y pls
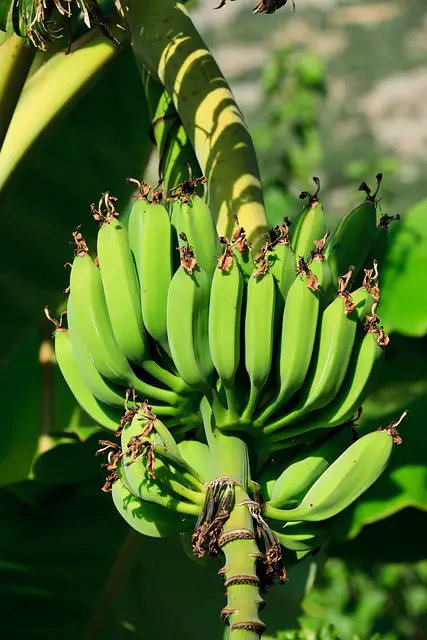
(214, 124)
(238, 543)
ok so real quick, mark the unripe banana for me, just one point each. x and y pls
(259, 334)
(155, 272)
(136, 219)
(104, 391)
(332, 355)
(345, 480)
(363, 370)
(298, 337)
(282, 266)
(198, 456)
(146, 517)
(91, 320)
(308, 225)
(120, 283)
(378, 251)
(187, 323)
(104, 415)
(307, 536)
(352, 240)
(193, 218)
(146, 476)
(297, 478)
(225, 318)
(242, 250)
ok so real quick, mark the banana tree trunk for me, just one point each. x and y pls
(165, 40)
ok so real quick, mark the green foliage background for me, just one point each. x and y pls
(68, 565)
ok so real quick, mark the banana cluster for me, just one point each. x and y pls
(282, 348)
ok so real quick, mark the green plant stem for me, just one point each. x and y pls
(15, 62)
(172, 381)
(241, 551)
(165, 40)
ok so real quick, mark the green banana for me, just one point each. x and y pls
(135, 222)
(187, 322)
(363, 370)
(345, 480)
(378, 251)
(297, 478)
(327, 371)
(192, 218)
(225, 308)
(91, 320)
(103, 390)
(308, 225)
(242, 250)
(259, 333)
(352, 240)
(120, 282)
(104, 415)
(307, 536)
(320, 268)
(298, 337)
(149, 478)
(155, 272)
(281, 259)
(147, 518)
(198, 455)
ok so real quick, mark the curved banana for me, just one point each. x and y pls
(242, 250)
(259, 334)
(352, 240)
(297, 478)
(187, 323)
(91, 320)
(149, 478)
(135, 222)
(198, 455)
(104, 415)
(193, 219)
(307, 536)
(327, 371)
(282, 266)
(147, 518)
(308, 225)
(120, 282)
(362, 373)
(344, 481)
(224, 321)
(155, 273)
(102, 389)
(298, 337)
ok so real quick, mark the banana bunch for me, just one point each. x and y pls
(281, 348)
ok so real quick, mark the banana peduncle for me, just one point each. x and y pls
(232, 531)
(214, 124)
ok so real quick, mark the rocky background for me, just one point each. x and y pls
(373, 113)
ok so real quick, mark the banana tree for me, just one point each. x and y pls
(227, 360)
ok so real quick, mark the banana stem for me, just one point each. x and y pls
(252, 402)
(238, 543)
(173, 483)
(165, 40)
(175, 383)
(231, 404)
(165, 453)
